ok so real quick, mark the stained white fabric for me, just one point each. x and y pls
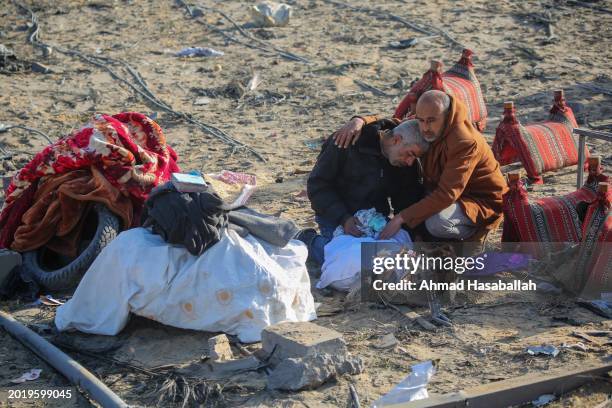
(342, 266)
(238, 286)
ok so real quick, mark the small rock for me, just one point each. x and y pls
(294, 374)
(219, 348)
(43, 69)
(386, 341)
(202, 101)
(300, 339)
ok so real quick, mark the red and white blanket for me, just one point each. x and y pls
(129, 149)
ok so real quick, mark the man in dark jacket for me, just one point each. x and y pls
(382, 165)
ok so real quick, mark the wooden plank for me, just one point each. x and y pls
(514, 391)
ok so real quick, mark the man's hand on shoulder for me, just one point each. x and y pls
(349, 133)
(350, 227)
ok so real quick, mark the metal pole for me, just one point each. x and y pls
(76, 373)
(581, 145)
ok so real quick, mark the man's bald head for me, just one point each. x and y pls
(431, 111)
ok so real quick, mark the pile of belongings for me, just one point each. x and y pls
(540, 147)
(197, 266)
(572, 232)
(342, 267)
(460, 81)
(114, 160)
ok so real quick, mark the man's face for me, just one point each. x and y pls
(401, 155)
(431, 120)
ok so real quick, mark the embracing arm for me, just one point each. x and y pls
(463, 157)
(350, 132)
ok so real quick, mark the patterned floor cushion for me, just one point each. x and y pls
(547, 224)
(540, 147)
(594, 261)
(460, 81)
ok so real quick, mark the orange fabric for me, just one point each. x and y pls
(460, 167)
(60, 205)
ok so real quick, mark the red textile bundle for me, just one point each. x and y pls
(548, 222)
(460, 81)
(129, 149)
(540, 147)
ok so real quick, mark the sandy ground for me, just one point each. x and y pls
(295, 106)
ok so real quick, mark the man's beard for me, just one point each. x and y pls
(430, 139)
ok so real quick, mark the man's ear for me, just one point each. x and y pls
(397, 139)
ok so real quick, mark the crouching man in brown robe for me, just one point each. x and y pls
(463, 181)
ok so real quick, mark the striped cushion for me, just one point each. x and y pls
(547, 224)
(459, 81)
(540, 147)
(595, 257)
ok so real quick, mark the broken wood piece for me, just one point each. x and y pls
(514, 391)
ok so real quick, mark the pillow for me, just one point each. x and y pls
(594, 263)
(546, 224)
(540, 147)
(459, 81)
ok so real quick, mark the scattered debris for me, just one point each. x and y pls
(543, 400)
(254, 42)
(371, 88)
(6, 128)
(412, 388)
(301, 196)
(202, 101)
(340, 69)
(386, 341)
(354, 397)
(31, 375)
(199, 52)
(219, 348)
(410, 42)
(254, 82)
(421, 28)
(10, 64)
(270, 14)
(577, 346)
(528, 52)
(140, 87)
(40, 68)
(314, 144)
(600, 307)
(547, 350)
(50, 301)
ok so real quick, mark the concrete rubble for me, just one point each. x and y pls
(304, 355)
(219, 348)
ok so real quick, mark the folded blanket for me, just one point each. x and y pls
(59, 208)
(129, 149)
(274, 230)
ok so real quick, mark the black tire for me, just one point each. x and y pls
(68, 276)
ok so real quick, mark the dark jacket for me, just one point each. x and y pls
(360, 177)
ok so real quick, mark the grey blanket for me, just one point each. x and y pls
(276, 231)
